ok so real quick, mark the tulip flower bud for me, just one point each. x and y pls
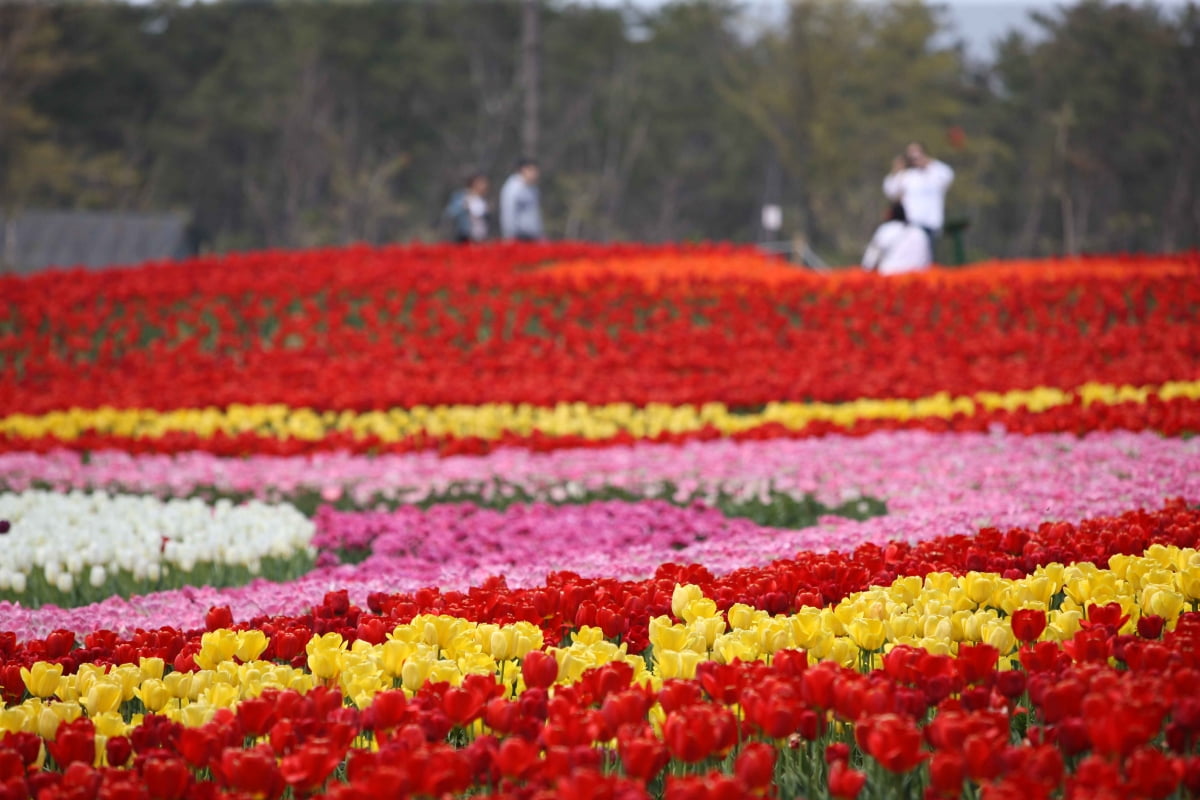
(154, 694)
(1150, 626)
(539, 669)
(1028, 624)
(682, 597)
(42, 678)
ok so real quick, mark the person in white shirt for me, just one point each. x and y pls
(898, 246)
(520, 206)
(920, 183)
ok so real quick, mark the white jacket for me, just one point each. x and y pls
(922, 191)
(897, 247)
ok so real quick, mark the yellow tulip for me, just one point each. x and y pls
(774, 635)
(1188, 582)
(109, 724)
(843, 651)
(1163, 602)
(940, 583)
(667, 636)
(676, 663)
(439, 630)
(528, 638)
(405, 633)
(736, 646)
(905, 590)
(15, 719)
(393, 654)
(103, 696)
(179, 684)
(250, 644)
(325, 655)
(47, 723)
(129, 676)
(502, 643)
(465, 642)
(154, 694)
(700, 608)
(901, 627)
(151, 668)
(806, 626)
(476, 663)
(709, 628)
(937, 627)
(42, 678)
(999, 635)
(980, 586)
(219, 695)
(936, 645)
(1062, 625)
(194, 715)
(300, 682)
(867, 634)
(572, 663)
(743, 617)
(588, 635)
(200, 682)
(215, 647)
(415, 671)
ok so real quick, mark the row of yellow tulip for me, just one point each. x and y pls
(593, 422)
(937, 612)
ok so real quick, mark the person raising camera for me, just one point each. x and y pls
(920, 183)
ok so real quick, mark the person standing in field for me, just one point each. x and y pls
(468, 211)
(898, 246)
(520, 205)
(920, 183)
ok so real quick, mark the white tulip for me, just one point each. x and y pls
(89, 535)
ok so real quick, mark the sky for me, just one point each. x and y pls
(979, 23)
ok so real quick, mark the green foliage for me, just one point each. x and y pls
(39, 591)
(297, 123)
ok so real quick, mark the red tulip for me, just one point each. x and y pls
(755, 765)
(891, 740)
(73, 743)
(307, 768)
(1028, 624)
(845, 783)
(253, 771)
(696, 732)
(1150, 626)
(166, 778)
(539, 669)
(117, 751)
(11, 766)
(515, 757)
(218, 617)
(642, 757)
(256, 715)
(947, 771)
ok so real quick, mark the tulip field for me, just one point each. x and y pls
(588, 522)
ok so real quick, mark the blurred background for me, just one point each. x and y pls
(147, 130)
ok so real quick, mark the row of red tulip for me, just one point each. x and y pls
(623, 609)
(922, 726)
(254, 332)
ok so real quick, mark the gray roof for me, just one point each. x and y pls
(34, 240)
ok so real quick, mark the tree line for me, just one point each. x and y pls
(295, 124)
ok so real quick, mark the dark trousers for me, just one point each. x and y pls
(933, 235)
